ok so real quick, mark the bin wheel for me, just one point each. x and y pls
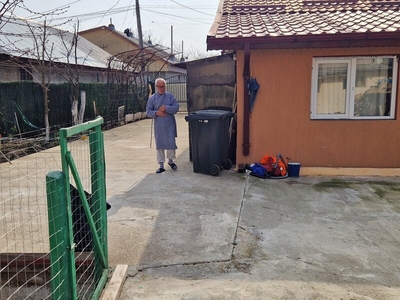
(228, 164)
(214, 170)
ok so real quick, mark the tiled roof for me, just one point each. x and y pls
(238, 20)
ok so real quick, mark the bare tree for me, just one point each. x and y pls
(43, 50)
(71, 69)
(7, 8)
(151, 39)
(179, 51)
(37, 60)
(194, 54)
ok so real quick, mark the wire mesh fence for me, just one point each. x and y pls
(53, 226)
(24, 239)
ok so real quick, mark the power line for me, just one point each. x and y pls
(124, 9)
(61, 8)
(196, 22)
(175, 16)
(191, 8)
(163, 16)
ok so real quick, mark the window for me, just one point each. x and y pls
(354, 88)
(25, 74)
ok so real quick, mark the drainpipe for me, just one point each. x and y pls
(246, 102)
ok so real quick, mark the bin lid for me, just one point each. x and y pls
(209, 114)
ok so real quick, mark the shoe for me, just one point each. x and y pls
(173, 166)
(160, 170)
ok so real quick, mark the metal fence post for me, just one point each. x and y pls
(98, 179)
(58, 235)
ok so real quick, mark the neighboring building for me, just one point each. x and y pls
(328, 82)
(159, 62)
(21, 44)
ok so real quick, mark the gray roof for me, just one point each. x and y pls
(24, 38)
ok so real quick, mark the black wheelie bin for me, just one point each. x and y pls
(209, 140)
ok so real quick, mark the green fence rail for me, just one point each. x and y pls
(78, 217)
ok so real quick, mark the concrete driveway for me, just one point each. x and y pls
(186, 235)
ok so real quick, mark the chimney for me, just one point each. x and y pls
(111, 25)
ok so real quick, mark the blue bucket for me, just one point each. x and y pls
(294, 169)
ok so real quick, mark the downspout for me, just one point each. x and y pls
(246, 101)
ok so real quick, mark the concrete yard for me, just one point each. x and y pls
(186, 235)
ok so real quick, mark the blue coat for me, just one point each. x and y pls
(165, 130)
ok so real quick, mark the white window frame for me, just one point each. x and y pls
(350, 89)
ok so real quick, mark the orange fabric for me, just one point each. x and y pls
(269, 163)
(267, 159)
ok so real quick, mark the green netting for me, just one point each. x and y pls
(22, 104)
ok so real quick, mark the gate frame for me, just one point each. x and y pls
(58, 193)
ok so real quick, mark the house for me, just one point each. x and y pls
(21, 51)
(328, 81)
(126, 47)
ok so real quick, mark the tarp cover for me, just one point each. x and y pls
(252, 87)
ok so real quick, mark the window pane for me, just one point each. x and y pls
(374, 98)
(25, 74)
(332, 88)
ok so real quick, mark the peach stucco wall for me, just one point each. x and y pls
(112, 43)
(115, 44)
(280, 121)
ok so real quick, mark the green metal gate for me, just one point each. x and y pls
(77, 215)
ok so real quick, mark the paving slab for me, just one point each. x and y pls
(169, 218)
(173, 218)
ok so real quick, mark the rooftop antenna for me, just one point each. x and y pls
(182, 58)
(172, 40)
(111, 25)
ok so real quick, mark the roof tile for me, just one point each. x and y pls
(263, 18)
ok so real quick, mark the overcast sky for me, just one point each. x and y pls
(190, 20)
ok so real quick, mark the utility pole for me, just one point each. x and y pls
(139, 26)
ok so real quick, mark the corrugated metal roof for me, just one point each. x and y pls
(270, 20)
(25, 39)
